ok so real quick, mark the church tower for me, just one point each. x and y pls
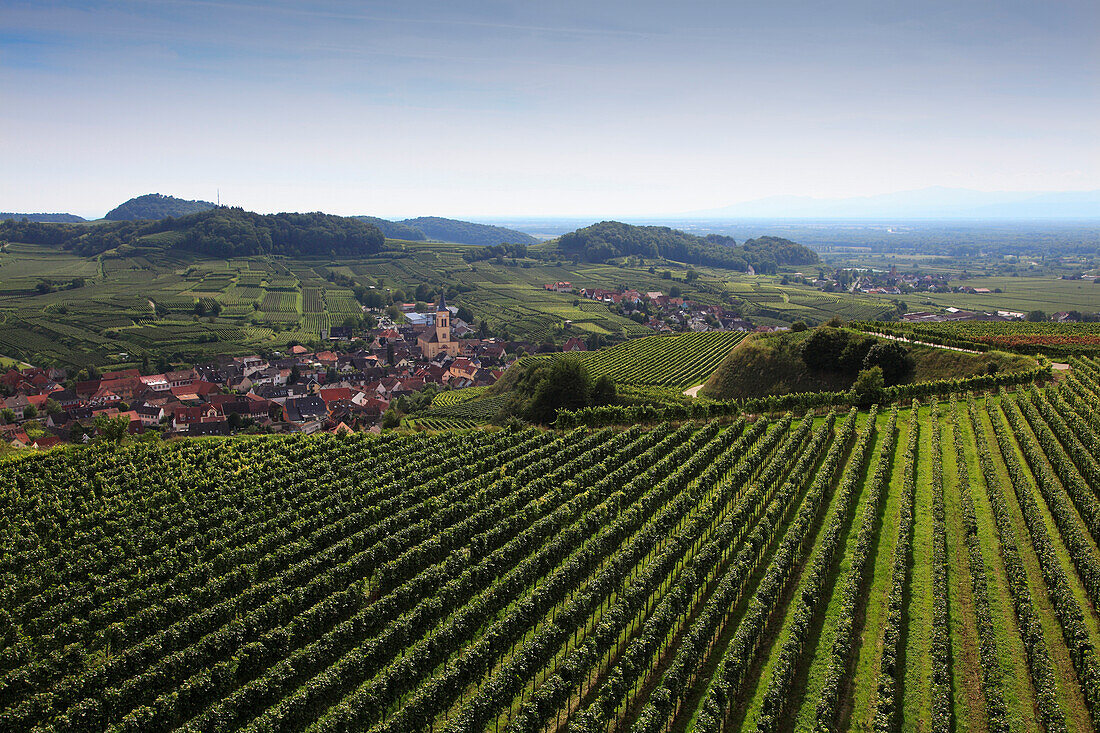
(437, 340)
(442, 321)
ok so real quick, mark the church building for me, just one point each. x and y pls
(437, 340)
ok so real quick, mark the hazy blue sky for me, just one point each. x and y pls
(540, 108)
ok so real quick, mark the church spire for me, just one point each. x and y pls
(442, 304)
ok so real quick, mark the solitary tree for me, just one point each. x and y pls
(869, 386)
(112, 429)
(391, 419)
(894, 360)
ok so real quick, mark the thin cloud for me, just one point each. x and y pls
(343, 15)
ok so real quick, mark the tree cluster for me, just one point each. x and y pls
(515, 251)
(831, 349)
(543, 387)
(235, 232)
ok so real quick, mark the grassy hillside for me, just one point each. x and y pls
(772, 364)
(934, 363)
(768, 364)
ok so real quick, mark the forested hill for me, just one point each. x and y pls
(223, 232)
(466, 232)
(608, 239)
(783, 250)
(395, 229)
(424, 228)
(155, 206)
(52, 218)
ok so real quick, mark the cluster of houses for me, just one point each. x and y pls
(878, 282)
(666, 313)
(895, 283)
(299, 391)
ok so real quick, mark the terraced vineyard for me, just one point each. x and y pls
(280, 302)
(441, 423)
(662, 361)
(479, 409)
(914, 569)
(457, 396)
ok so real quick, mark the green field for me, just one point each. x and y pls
(9, 363)
(1018, 294)
(771, 302)
(900, 569)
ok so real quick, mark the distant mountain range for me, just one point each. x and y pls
(926, 203)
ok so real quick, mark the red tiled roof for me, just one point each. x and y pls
(331, 394)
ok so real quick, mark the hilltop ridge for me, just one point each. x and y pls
(223, 232)
(609, 239)
(155, 206)
(43, 218)
(468, 232)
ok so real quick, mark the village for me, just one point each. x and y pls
(339, 389)
(302, 390)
